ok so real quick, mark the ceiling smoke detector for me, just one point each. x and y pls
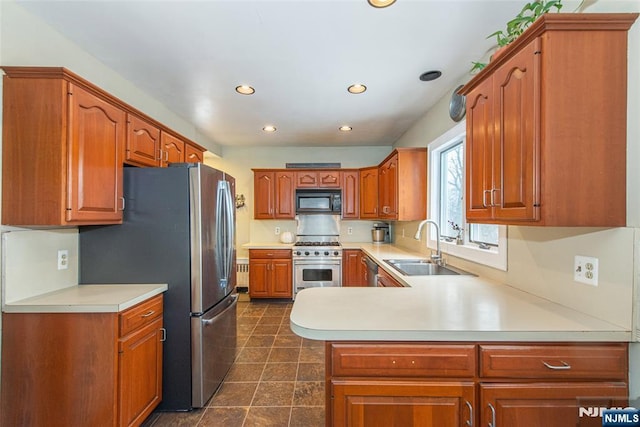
(430, 75)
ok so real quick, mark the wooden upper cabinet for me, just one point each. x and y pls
(369, 192)
(273, 194)
(62, 150)
(350, 194)
(263, 192)
(193, 154)
(546, 131)
(142, 146)
(284, 195)
(387, 188)
(172, 149)
(402, 185)
(318, 179)
(97, 133)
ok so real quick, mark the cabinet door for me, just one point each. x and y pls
(479, 152)
(143, 143)
(259, 277)
(548, 404)
(140, 373)
(369, 193)
(329, 179)
(193, 154)
(284, 187)
(351, 267)
(350, 199)
(172, 149)
(362, 403)
(385, 280)
(306, 179)
(517, 140)
(263, 195)
(97, 132)
(388, 191)
(281, 279)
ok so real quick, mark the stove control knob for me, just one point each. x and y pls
(326, 253)
(316, 253)
(306, 253)
(336, 253)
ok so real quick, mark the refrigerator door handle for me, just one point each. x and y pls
(230, 232)
(221, 250)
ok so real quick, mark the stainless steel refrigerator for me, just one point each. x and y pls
(179, 229)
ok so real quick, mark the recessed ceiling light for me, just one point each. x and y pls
(345, 128)
(430, 75)
(356, 88)
(381, 3)
(269, 128)
(245, 90)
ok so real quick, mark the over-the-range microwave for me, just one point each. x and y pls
(319, 202)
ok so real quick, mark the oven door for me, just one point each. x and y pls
(316, 274)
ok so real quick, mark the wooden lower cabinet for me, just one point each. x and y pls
(82, 369)
(385, 280)
(354, 270)
(433, 384)
(270, 273)
(555, 404)
(373, 403)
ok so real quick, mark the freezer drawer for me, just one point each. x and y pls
(213, 348)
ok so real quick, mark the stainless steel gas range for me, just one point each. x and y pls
(317, 254)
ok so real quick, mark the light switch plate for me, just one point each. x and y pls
(585, 270)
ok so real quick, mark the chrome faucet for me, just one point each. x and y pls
(437, 258)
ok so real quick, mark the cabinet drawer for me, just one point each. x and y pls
(554, 361)
(269, 253)
(140, 315)
(403, 360)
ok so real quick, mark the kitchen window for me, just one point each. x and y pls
(482, 243)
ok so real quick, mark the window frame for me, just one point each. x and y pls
(495, 256)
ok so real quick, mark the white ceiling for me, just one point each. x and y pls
(300, 55)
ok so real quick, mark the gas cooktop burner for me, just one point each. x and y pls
(317, 244)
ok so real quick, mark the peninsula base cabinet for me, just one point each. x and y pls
(82, 369)
(467, 384)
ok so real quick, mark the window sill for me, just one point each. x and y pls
(471, 252)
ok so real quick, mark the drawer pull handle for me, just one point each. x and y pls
(469, 422)
(564, 366)
(493, 415)
(393, 362)
(150, 313)
(413, 362)
(163, 331)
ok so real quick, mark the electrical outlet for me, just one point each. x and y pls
(277, 230)
(585, 270)
(349, 230)
(63, 259)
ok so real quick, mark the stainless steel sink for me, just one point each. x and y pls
(422, 267)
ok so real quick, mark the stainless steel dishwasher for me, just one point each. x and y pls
(372, 271)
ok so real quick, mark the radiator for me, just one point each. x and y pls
(242, 274)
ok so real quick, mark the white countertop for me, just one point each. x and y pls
(440, 308)
(87, 299)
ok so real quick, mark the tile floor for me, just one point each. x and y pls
(276, 380)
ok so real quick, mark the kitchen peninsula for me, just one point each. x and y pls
(450, 350)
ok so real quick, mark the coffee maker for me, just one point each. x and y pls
(381, 233)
